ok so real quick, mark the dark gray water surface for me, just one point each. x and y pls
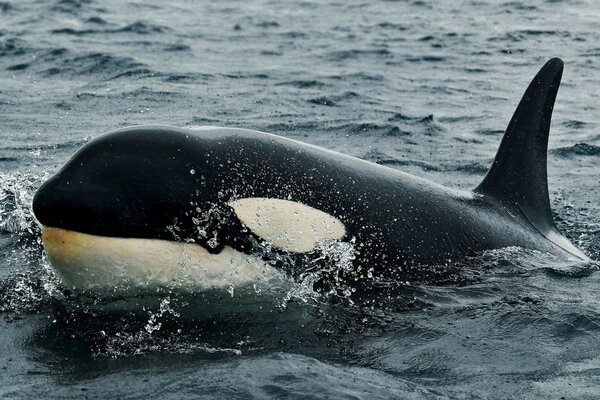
(425, 87)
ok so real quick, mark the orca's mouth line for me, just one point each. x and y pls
(102, 264)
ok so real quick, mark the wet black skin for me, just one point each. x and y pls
(138, 183)
(154, 181)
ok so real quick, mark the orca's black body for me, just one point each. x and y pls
(157, 182)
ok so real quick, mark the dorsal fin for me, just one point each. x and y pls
(518, 176)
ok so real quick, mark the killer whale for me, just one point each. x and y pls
(152, 205)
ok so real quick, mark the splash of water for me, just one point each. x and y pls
(30, 290)
(334, 263)
(16, 194)
(150, 338)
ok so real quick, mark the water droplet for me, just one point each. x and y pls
(213, 243)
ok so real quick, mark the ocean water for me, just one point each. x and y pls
(425, 87)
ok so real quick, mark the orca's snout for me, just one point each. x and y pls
(46, 205)
(63, 203)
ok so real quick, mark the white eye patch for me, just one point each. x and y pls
(287, 225)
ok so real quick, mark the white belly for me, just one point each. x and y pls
(126, 266)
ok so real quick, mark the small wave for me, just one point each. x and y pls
(392, 25)
(270, 53)
(323, 101)
(512, 261)
(177, 47)
(302, 84)
(474, 168)
(203, 121)
(187, 78)
(76, 32)
(96, 20)
(343, 55)
(293, 127)
(537, 32)
(63, 104)
(527, 34)
(402, 117)
(135, 73)
(143, 28)
(139, 27)
(95, 64)
(489, 132)
(293, 34)
(333, 100)
(5, 7)
(44, 146)
(460, 118)
(513, 51)
(70, 6)
(521, 6)
(37, 56)
(579, 149)
(246, 76)
(595, 52)
(267, 24)
(421, 3)
(83, 96)
(574, 124)
(370, 128)
(56, 52)
(18, 67)
(13, 47)
(427, 58)
(473, 70)
(576, 271)
(149, 94)
(422, 125)
(359, 75)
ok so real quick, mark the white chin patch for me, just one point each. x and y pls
(287, 225)
(129, 266)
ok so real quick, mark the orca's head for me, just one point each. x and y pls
(130, 205)
(151, 207)
(133, 183)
